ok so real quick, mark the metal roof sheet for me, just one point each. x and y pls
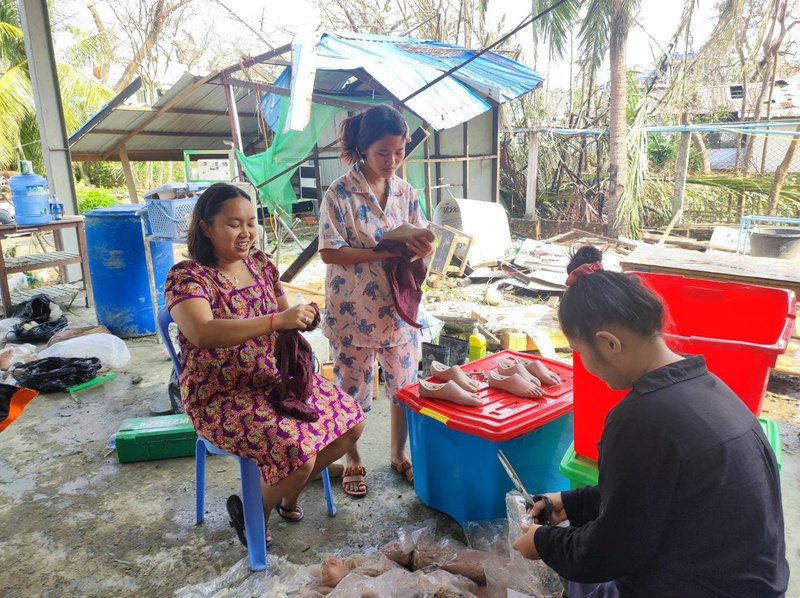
(192, 114)
(402, 65)
(198, 120)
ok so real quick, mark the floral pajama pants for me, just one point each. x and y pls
(353, 368)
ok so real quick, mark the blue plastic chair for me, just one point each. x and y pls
(251, 478)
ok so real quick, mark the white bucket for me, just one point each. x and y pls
(485, 221)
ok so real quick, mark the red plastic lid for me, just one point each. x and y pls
(502, 416)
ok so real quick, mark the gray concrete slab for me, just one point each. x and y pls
(75, 522)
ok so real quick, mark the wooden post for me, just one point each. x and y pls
(126, 168)
(533, 170)
(681, 170)
(496, 152)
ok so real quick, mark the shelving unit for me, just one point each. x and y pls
(60, 293)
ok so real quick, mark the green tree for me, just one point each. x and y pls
(81, 95)
(602, 28)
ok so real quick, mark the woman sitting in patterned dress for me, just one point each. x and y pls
(229, 304)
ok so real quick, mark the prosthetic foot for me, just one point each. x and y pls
(449, 391)
(540, 370)
(455, 374)
(509, 367)
(515, 384)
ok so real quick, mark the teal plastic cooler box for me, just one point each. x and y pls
(150, 438)
(454, 447)
(582, 471)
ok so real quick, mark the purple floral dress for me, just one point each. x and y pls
(225, 390)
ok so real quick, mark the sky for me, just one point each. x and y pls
(276, 20)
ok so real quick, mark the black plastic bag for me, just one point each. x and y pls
(37, 309)
(56, 374)
(37, 324)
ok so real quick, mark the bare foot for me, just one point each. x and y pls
(449, 391)
(454, 373)
(539, 369)
(509, 367)
(515, 384)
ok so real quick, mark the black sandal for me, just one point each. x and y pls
(236, 513)
(296, 510)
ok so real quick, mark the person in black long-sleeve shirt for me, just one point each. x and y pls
(688, 501)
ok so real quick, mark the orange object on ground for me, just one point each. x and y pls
(13, 401)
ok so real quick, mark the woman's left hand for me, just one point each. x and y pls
(421, 245)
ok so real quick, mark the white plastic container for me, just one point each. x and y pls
(485, 221)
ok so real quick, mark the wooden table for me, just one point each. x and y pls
(52, 259)
(763, 271)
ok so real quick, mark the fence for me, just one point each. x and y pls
(562, 174)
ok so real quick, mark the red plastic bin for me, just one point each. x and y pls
(739, 328)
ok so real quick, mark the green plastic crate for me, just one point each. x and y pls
(582, 472)
(150, 438)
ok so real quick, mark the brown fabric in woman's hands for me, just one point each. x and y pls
(295, 361)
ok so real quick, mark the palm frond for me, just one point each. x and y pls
(555, 27)
(86, 49)
(16, 94)
(12, 44)
(594, 33)
(9, 142)
(82, 96)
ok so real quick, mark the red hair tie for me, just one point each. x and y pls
(583, 270)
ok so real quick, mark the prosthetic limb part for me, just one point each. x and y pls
(449, 391)
(455, 374)
(515, 384)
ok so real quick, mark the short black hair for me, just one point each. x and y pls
(208, 205)
(603, 298)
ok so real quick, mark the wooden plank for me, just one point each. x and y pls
(301, 261)
(789, 363)
(761, 271)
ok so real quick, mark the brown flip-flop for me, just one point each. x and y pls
(355, 475)
(405, 469)
(292, 515)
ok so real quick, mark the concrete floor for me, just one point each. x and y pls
(75, 522)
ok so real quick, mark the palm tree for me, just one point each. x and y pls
(603, 28)
(81, 95)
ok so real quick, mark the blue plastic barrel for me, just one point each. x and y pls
(31, 199)
(118, 267)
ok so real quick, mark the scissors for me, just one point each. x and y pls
(530, 500)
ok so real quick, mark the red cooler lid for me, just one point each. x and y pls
(502, 416)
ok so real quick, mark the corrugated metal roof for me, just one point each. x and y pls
(198, 120)
(402, 65)
(193, 115)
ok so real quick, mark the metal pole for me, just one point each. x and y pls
(35, 22)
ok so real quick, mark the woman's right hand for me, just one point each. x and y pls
(297, 317)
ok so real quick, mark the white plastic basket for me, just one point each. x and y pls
(169, 218)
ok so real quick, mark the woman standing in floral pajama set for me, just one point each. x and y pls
(358, 210)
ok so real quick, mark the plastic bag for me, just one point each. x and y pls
(13, 354)
(111, 350)
(489, 536)
(41, 318)
(56, 374)
(431, 325)
(525, 578)
(174, 392)
(7, 325)
(76, 331)
(518, 520)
